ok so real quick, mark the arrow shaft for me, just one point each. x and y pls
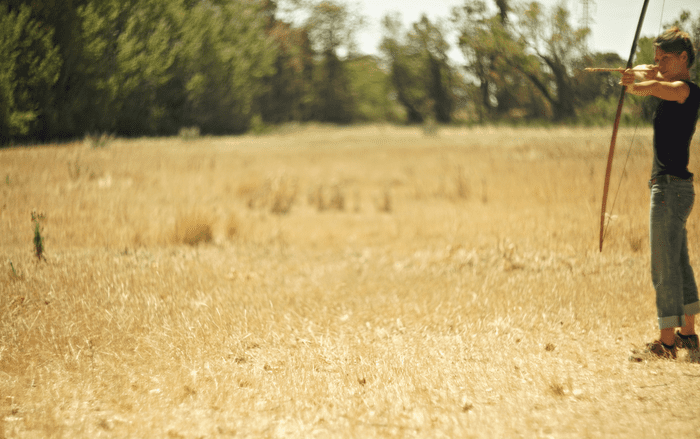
(611, 69)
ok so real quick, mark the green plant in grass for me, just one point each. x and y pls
(14, 275)
(37, 219)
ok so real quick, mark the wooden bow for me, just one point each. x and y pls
(616, 125)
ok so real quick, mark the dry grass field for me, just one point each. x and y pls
(362, 282)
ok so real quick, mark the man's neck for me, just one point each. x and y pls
(682, 76)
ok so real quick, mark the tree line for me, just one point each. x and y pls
(154, 67)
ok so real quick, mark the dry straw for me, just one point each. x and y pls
(193, 228)
(465, 297)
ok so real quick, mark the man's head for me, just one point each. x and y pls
(675, 41)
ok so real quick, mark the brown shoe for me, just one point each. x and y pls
(694, 356)
(689, 342)
(655, 350)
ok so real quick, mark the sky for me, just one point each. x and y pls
(612, 29)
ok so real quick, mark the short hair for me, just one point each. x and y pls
(675, 41)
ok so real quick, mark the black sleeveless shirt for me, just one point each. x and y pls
(674, 126)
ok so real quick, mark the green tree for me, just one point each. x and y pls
(128, 54)
(150, 67)
(146, 52)
(224, 56)
(288, 92)
(419, 69)
(490, 53)
(525, 67)
(430, 44)
(404, 67)
(557, 45)
(371, 89)
(30, 67)
(58, 103)
(332, 26)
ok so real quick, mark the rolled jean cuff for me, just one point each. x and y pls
(676, 321)
(691, 309)
(671, 322)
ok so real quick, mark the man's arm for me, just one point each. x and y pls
(676, 91)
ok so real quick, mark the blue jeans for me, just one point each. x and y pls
(673, 278)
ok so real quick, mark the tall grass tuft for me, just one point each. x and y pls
(317, 198)
(74, 170)
(193, 228)
(98, 140)
(332, 198)
(385, 203)
(462, 188)
(233, 226)
(276, 194)
(337, 200)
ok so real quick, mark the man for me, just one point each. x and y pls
(672, 192)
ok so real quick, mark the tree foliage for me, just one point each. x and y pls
(30, 67)
(224, 59)
(135, 67)
(154, 67)
(332, 26)
(420, 70)
(288, 94)
(557, 45)
(528, 67)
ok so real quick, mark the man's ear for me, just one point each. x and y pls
(684, 57)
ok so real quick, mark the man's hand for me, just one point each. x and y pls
(649, 72)
(629, 76)
(644, 72)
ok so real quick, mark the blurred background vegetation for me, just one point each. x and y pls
(69, 68)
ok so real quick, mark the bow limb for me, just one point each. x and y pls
(620, 103)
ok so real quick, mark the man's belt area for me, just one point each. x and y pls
(667, 179)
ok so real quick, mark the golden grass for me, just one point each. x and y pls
(449, 287)
(194, 228)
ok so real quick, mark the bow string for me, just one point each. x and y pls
(616, 125)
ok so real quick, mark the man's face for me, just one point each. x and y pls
(671, 65)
